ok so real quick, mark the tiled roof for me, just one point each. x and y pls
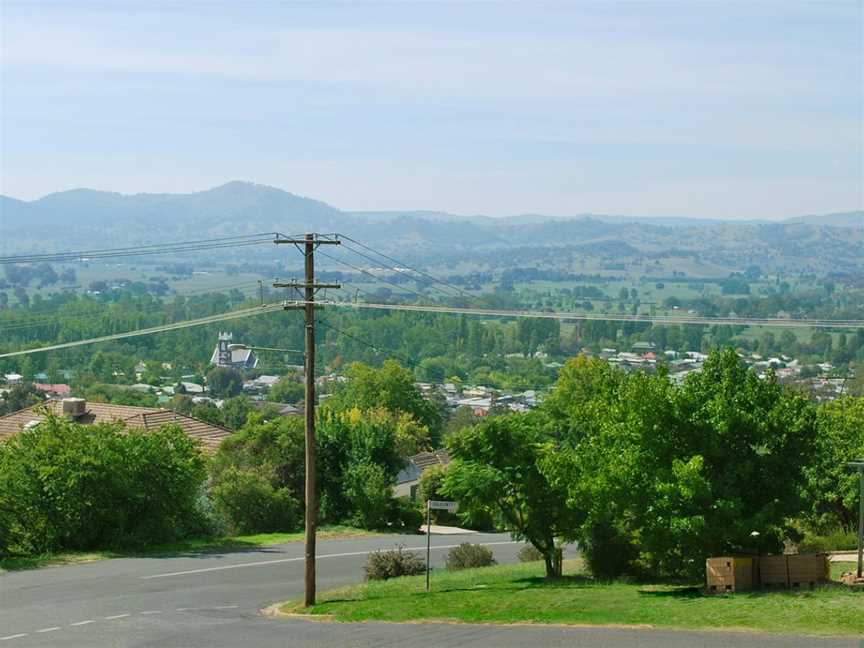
(426, 459)
(147, 418)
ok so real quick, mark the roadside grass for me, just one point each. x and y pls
(190, 546)
(520, 594)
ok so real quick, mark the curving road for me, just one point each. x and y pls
(212, 601)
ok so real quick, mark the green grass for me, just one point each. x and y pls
(191, 546)
(520, 594)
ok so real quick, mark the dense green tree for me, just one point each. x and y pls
(207, 412)
(391, 387)
(462, 417)
(271, 447)
(70, 486)
(495, 469)
(832, 487)
(690, 472)
(235, 411)
(19, 397)
(287, 390)
(224, 382)
(354, 446)
(250, 503)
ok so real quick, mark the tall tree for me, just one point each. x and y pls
(496, 470)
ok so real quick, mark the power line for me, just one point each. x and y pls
(488, 312)
(651, 319)
(375, 347)
(137, 250)
(376, 278)
(426, 275)
(400, 271)
(201, 321)
(55, 318)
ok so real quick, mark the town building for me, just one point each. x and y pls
(239, 359)
(408, 478)
(144, 418)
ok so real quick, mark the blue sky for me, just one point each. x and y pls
(697, 108)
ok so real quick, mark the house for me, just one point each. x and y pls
(53, 391)
(644, 346)
(409, 477)
(264, 382)
(480, 406)
(144, 418)
(13, 378)
(192, 388)
(284, 409)
(237, 358)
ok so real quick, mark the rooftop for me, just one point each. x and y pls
(146, 418)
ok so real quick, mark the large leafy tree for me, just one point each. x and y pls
(270, 447)
(225, 382)
(70, 486)
(754, 439)
(390, 387)
(832, 487)
(496, 469)
(672, 475)
(359, 456)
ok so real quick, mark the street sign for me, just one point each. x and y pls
(443, 506)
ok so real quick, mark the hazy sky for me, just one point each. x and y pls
(699, 108)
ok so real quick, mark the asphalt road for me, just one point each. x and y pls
(213, 601)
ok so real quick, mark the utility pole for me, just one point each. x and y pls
(307, 246)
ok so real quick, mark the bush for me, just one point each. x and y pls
(405, 515)
(381, 565)
(529, 553)
(835, 540)
(368, 489)
(250, 504)
(468, 556)
(608, 552)
(70, 486)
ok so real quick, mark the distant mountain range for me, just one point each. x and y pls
(87, 219)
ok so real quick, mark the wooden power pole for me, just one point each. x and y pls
(308, 246)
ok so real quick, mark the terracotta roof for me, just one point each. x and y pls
(147, 418)
(62, 389)
(426, 459)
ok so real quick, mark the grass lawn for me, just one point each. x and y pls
(192, 546)
(520, 594)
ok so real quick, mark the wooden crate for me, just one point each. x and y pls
(729, 574)
(807, 570)
(773, 571)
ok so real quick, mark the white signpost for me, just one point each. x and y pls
(441, 506)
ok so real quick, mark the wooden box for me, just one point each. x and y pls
(729, 574)
(808, 570)
(794, 571)
(773, 571)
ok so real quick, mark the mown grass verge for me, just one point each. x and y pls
(190, 546)
(520, 594)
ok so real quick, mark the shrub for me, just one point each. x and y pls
(368, 489)
(608, 552)
(835, 540)
(468, 556)
(529, 553)
(70, 486)
(250, 504)
(381, 565)
(405, 515)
